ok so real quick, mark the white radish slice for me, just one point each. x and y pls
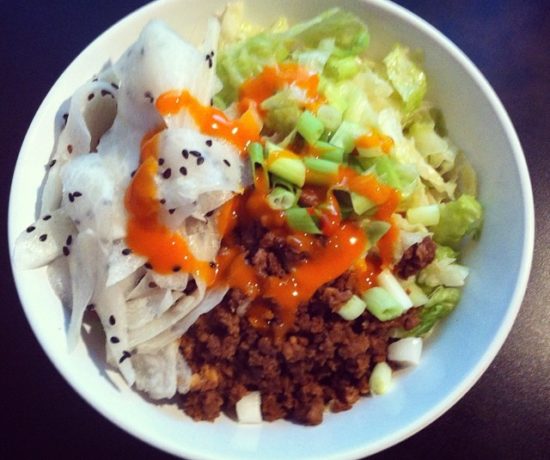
(181, 309)
(249, 408)
(122, 263)
(203, 238)
(210, 300)
(184, 375)
(44, 240)
(406, 351)
(194, 164)
(175, 281)
(60, 280)
(142, 310)
(111, 309)
(156, 371)
(83, 269)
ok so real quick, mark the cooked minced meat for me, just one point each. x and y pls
(322, 360)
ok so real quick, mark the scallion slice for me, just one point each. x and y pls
(390, 283)
(360, 203)
(330, 116)
(353, 308)
(300, 220)
(329, 152)
(382, 304)
(380, 379)
(281, 198)
(288, 166)
(321, 166)
(310, 127)
(375, 230)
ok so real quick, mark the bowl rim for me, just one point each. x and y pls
(473, 375)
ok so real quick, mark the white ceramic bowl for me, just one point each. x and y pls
(452, 362)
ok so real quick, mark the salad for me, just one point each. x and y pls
(266, 225)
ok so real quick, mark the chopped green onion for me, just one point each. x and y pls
(360, 204)
(380, 379)
(290, 168)
(321, 166)
(330, 116)
(256, 154)
(300, 220)
(257, 160)
(390, 283)
(329, 152)
(425, 215)
(342, 68)
(281, 199)
(277, 181)
(310, 127)
(353, 308)
(346, 135)
(416, 294)
(382, 304)
(375, 230)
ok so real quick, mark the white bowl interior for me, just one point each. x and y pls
(454, 358)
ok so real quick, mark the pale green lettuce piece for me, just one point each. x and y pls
(442, 301)
(438, 151)
(458, 219)
(407, 78)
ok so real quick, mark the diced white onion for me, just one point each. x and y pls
(406, 351)
(380, 379)
(389, 282)
(249, 408)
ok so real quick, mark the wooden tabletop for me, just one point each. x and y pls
(505, 415)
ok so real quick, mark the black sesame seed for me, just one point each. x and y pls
(148, 266)
(183, 170)
(195, 153)
(162, 201)
(200, 161)
(66, 251)
(43, 237)
(211, 101)
(90, 307)
(46, 217)
(212, 53)
(52, 163)
(112, 320)
(153, 285)
(114, 339)
(133, 173)
(77, 194)
(126, 251)
(69, 240)
(185, 153)
(149, 96)
(171, 211)
(31, 228)
(209, 214)
(176, 268)
(125, 355)
(71, 197)
(95, 79)
(161, 161)
(70, 148)
(167, 173)
(105, 92)
(91, 96)
(65, 117)
(212, 264)
(209, 142)
(227, 162)
(114, 85)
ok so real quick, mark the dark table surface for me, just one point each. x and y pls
(505, 415)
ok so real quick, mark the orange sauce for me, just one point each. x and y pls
(166, 250)
(212, 121)
(375, 139)
(272, 79)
